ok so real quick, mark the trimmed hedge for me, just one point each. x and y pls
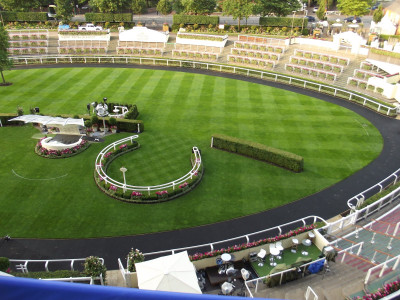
(108, 17)
(385, 52)
(129, 125)
(283, 22)
(262, 152)
(54, 274)
(195, 19)
(5, 117)
(12, 16)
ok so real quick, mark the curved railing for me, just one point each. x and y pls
(358, 200)
(173, 184)
(335, 91)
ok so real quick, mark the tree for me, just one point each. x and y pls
(64, 9)
(177, 6)
(238, 9)
(199, 6)
(378, 14)
(138, 6)
(19, 5)
(5, 62)
(109, 5)
(164, 7)
(277, 7)
(354, 7)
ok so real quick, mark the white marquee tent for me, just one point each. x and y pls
(143, 34)
(173, 273)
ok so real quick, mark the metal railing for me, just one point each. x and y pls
(357, 200)
(287, 79)
(173, 184)
(22, 264)
(382, 267)
(310, 292)
(78, 279)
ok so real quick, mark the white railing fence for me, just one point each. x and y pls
(22, 264)
(173, 184)
(381, 268)
(310, 294)
(358, 199)
(335, 91)
(91, 280)
(124, 273)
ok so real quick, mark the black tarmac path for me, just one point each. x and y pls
(326, 204)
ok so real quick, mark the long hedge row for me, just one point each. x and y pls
(194, 19)
(284, 159)
(283, 22)
(12, 16)
(108, 17)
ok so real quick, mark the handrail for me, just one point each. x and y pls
(107, 179)
(383, 266)
(310, 291)
(359, 198)
(47, 261)
(214, 66)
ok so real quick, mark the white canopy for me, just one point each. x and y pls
(46, 120)
(391, 69)
(173, 273)
(143, 34)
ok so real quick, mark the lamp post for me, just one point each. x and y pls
(305, 15)
(291, 30)
(123, 170)
(102, 111)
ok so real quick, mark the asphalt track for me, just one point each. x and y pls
(326, 204)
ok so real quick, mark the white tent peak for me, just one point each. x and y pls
(143, 34)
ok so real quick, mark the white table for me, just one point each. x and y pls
(295, 244)
(274, 252)
(226, 257)
(306, 243)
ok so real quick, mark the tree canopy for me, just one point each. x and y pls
(164, 7)
(199, 6)
(109, 5)
(354, 7)
(378, 14)
(5, 62)
(138, 6)
(238, 9)
(277, 7)
(64, 9)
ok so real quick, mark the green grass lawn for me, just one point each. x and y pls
(179, 110)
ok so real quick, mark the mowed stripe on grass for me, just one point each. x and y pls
(179, 110)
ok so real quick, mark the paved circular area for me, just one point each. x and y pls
(325, 204)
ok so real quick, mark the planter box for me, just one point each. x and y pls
(219, 44)
(62, 37)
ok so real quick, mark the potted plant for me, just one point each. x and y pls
(95, 122)
(134, 256)
(165, 27)
(93, 267)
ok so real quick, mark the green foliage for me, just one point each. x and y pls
(51, 274)
(258, 151)
(4, 264)
(139, 7)
(111, 121)
(282, 21)
(278, 8)
(12, 16)
(93, 267)
(378, 14)
(19, 5)
(133, 113)
(379, 195)
(5, 62)
(164, 7)
(321, 12)
(108, 17)
(354, 7)
(109, 5)
(130, 125)
(64, 9)
(385, 52)
(192, 19)
(95, 120)
(199, 6)
(177, 6)
(238, 9)
(88, 123)
(134, 256)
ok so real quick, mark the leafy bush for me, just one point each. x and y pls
(379, 90)
(282, 22)
(130, 125)
(133, 113)
(53, 274)
(278, 157)
(4, 264)
(12, 16)
(134, 256)
(362, 85)
(93, 267)
(108, 17)
(195, 19)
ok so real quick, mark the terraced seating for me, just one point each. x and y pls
(333, 59)
(316, 73)
(256, 54)
(140, 51)
(261, 47)
(29, 43)
(316, 64)
(194, 54)
(82, 50)
(26, 51)
(259, 62)
(262, 40)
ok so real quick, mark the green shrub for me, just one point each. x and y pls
(258, 151)
(12, 16)
(362, 85)
(52, 274)
(371, 87)
(282, 22)
(195, 19)
(4, 264)
(93, 267)
(379, 90)
(133, 113)
(108, 17)
(130, 125)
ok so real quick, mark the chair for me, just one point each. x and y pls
(273, 253)
(278, 245)
(245, 274)
(295, 243)
(261, 256)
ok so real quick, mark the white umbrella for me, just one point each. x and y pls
(5, 274)
(174, 273)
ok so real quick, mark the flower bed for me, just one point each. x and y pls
(82, 50)
(83, 32)
(244, 246)
(260, 47)
(263, 63)
(382, 292)
(259, 39)
(323, 56)
(140, 51)
(194, 54)
(316, 64)
(257, 54)
(25, 51)
(30, 43)
(208, 37)
(41, 151)
(311, 72)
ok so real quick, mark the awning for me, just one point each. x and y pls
(45, 120)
